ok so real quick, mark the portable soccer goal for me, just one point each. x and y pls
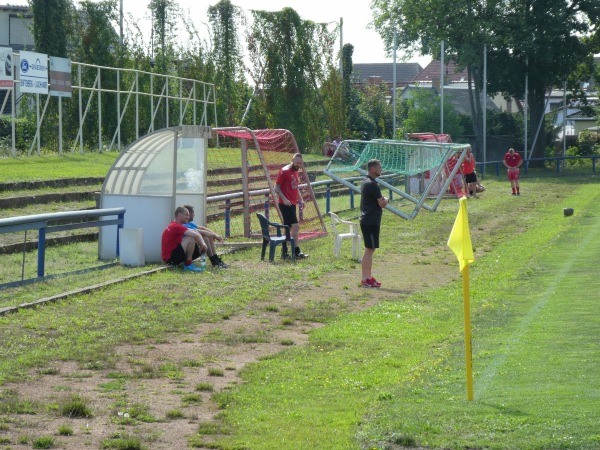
(242, 170)
(434, 164)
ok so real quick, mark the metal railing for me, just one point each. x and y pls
(167, 101)
(42, 223)
(558, 161)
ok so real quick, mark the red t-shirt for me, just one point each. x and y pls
(171, 238)
(287, 179)
(468, 166)
(512, 161)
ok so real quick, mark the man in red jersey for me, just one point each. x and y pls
(287, 188)
(512, 161)
(180, 244)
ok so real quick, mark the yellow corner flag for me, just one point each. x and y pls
(460, 237)
(460, 243)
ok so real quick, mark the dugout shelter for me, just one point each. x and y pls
(153, 176)
(227, 174)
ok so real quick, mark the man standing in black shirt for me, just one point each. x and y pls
(371, 208)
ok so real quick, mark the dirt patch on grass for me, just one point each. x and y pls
(161, 393)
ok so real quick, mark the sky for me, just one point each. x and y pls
(356, 14)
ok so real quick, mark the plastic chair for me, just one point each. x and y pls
(353, 233)
(273, 241)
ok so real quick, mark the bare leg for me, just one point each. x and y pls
(210, 243)
(367, 263)
(189, 244)
(295, 230)
(473, 188)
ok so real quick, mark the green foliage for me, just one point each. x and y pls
(332, 93)
(423, 115)
(164, 15)
(76, 406)
(587, 142)
(174, 414)
(122, 443)
(347, 67)
(11, 403)
(371, 114)
(226, 20)
(543, 39)
(51, 26)
(207, 387)
(501, 123)
(65, 430)
(43, 442)
(290, 57)
(24, 132)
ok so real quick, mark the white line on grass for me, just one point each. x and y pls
(486, 377)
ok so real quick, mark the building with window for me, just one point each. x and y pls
(15, 34)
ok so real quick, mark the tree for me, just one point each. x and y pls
(225, 20)
(348, 94)
(164, 15)
(97, 42)
(290, 59)
(335, 113)
(423, 115)
(540, 39)
(51, 26)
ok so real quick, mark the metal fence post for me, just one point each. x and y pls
(227, 218)
(41, 251)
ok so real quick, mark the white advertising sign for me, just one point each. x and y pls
(60, 77)
(6, 67)
(33, 73)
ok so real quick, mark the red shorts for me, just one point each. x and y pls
(513, 174)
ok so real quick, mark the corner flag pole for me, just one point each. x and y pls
(460, 244)
(468, 350)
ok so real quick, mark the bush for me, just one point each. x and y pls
(586, 141)
(24, 132)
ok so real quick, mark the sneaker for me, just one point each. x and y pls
(518, 193)
(222, 265)
(370, 283)
(193, 268)
(301, 255)
(375, 282)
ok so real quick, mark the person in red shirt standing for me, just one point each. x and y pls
(287, 188)
(512, 161)
(180, 244)
(468, 169)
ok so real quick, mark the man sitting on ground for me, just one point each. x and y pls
(209, 237)
(329, 147)
(180, 244)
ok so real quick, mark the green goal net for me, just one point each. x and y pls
(420, 173)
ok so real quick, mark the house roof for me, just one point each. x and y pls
(405, 72)
(579, 115)
(432, 72)
(14, 8)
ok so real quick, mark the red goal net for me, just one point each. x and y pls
(242, 168)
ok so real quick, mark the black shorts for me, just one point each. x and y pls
(370, 235)
(471, 177)
(178, 255)
(289, 214)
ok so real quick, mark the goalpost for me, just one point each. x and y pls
(400, 160)
(241, 174)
